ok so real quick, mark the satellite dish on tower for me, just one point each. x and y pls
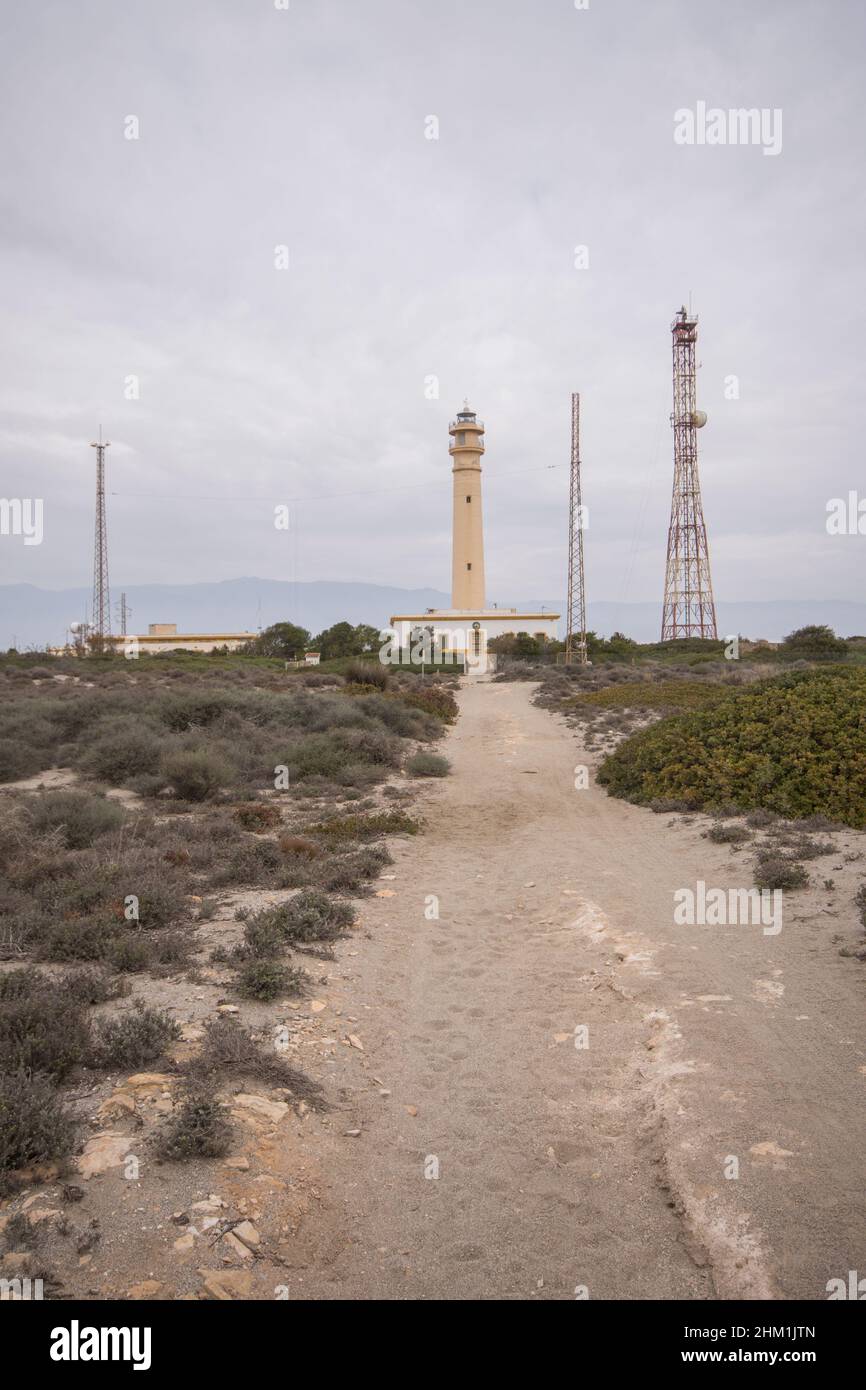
(699, 419)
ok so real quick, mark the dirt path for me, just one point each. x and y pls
(602, 1166)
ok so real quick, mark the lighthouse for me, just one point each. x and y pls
(467, 536)
(462, 631)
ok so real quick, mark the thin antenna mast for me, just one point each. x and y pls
(575, 632)
(101, 624)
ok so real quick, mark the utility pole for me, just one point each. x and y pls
(689, 610)
(575, 633)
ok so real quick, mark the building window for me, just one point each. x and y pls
(468, 499)
(469, 565)
(461, 437)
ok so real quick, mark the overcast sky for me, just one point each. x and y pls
(411, 258)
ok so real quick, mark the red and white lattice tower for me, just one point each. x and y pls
(689, 610)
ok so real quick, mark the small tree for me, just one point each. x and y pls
(285, 640)
(525, 646)
(336, 641)
(345, 640)
(814, 643)
(367, 638)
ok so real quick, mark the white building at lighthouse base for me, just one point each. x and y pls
(465, 634)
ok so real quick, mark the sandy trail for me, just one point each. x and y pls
(561, 1167)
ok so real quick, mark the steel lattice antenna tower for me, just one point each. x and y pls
(101, 615)
(575, 630)
(689, 610)
(125, 612)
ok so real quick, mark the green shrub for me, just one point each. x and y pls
(128, 952)
(92, 940)
(400, 718)
(433, 699)
(801, 847)
(196, 708)
(133, 1038)
(342, 829)
(263, 936)
(34, 1125)
(195, 775)
(266, 979)
(652, 695)
(91, 986)
(792, 745)
(350, 873)
(424, 764)
(228, 1050)
(199, 1128)
(774, 871)
(814, 643)
(123, 753)
(41, 1028)
(255, 861)
(21, 984)
(311, 916)
(728, 834)
(371, 673)
(169, 948)
(329, 754)
(317, 755)
(79, 816)
(257, 815)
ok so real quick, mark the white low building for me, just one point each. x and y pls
(164, 637)
(458, 632)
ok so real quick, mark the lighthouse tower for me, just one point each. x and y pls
(462, 631)
(467, 553)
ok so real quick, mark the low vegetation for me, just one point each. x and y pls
(229, 1052)
(199, 1128)
(342, 829)
(778, 871)
(180, 777)
(728, 834)
(424, 764)
(308, 916)
(35, 1125)
(792, 745)
(134, 1038)
(652, 695)
(266, 979)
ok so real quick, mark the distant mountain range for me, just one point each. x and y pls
(32, 617)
